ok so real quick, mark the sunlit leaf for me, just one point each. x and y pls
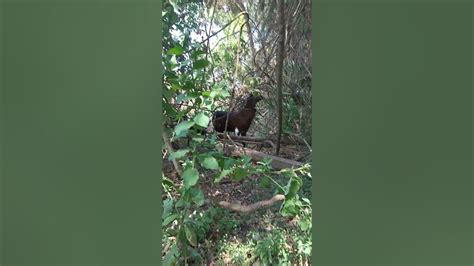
(201, 119)
(178, 154)
(210, 163)
(182, 128)
(176, 50)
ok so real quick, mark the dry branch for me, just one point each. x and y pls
(253, 207)
(171, 150)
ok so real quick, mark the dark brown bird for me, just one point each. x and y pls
(240, 120)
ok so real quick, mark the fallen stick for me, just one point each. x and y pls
(253, 207)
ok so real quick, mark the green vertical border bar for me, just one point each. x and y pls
(392, 132)
(81, 111)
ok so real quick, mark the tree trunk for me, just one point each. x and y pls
(279, 69)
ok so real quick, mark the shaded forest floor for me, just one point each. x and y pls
(232, 238)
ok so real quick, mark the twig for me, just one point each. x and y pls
(171, 150)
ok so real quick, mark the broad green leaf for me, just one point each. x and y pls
(197, 196)
(239, 173)
(228, 163)
(190, 235)
(190, 177)
(167, 207)
(182, 128)
(176, 50)
(201, 119)
(171, 256)
(304, 225)
(293, 186)
(170, 219)
(264, 181)
(201, 63)
(222, 175)
(290, 207)
(178, 154)
(306, 200)
(180, 203)
(210, 163)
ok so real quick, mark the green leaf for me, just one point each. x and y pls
(178, 154)
(181, 98)
(290, 207)
(304, 225)
(222, 175)
(201, 63)
(171, 256)
(229, 162)
(170, 219)
(239, 174)
(190, 177)
(176, 50)
(264, 181)
(306, 200)
(293, 186)
(210, 163)
(190, 235)
(167, 207)
(197, 196)
(182, 128)
(201, 119)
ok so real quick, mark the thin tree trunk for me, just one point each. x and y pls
(279, 69)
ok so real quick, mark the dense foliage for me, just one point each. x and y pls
(214, 53)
